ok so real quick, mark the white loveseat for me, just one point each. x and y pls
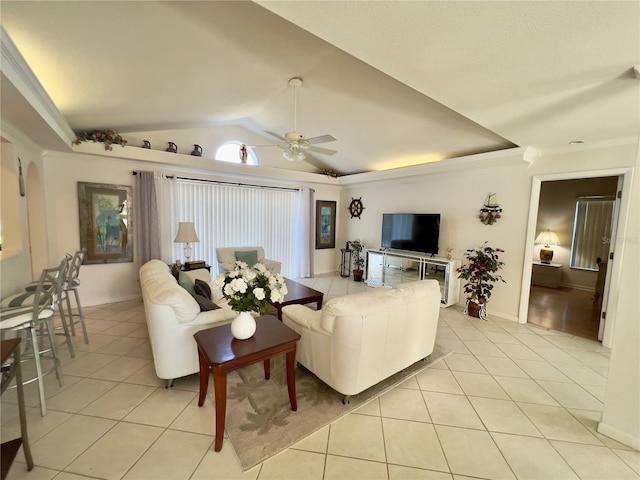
(358, 340)
(173, 316)
(227, 258)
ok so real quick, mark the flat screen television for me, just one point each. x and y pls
(414, 232)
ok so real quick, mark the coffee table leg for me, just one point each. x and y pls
(291, 378)
(267, 369)
(319, 304)
(204, 378)
(220, 386)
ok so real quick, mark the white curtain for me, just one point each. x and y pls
(303, 247)
(237, 216)
(167, 225)
(591, 232)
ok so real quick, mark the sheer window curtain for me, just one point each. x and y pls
(154, 216)
(303, 246)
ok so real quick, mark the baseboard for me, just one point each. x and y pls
(622, 437)
(97, 302)
(578, 287)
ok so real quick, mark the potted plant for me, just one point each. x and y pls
(357, 248)
(108, 137)
(480, 271)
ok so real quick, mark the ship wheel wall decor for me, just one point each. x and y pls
(356, 207)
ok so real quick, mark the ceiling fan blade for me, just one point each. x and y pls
(321, 139)
(279, 137)
(324, 151)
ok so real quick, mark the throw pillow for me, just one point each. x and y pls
(250, 257)
(185, 282)
(202, 288)
(205, 304)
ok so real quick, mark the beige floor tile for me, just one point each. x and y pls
(223, 465)
(503, 416)
(598, 391)
(143, 351)
(197, 419)
(146, 376)
(121, 347)
(473, 453)
(525, 390)
(37, 425)
(372, 407)
(96, 342)
(293, 465)
(173, 455)
(438, 381)
(413, 444)
(542, 370)
(121, 329)
(464, 363)
(454, 344)
(454, 410)
(532, 340)
(570, 395)
(403, 403)
(630, 457)
(555, 355)
(555, 423)
(533, 458)
(582, 374)
(594, 463)
(116, 452)
(19, 472)
(63, 444)
(190, 383)
(316, 442)
(480, 385)
(339, 468)
(521, 352)
(161, 408)
(141, 332)
(501, 366)
(445, 332)
(358, 436)
(79, 395)
(87, 364)
(472, 334)
(397, 472)
(483, 348)
(118, 402)
(502, 337)
(120, 369)
(590, 419)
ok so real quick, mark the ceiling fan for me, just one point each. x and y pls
(294, 143)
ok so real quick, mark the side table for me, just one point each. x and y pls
(10, 448)
(220, 353)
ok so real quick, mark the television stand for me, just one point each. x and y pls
(403, 269)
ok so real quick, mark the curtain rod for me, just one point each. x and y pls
(237, 184)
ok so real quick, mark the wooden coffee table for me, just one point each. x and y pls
(220, 353)
(299, 294)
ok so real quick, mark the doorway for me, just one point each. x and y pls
(563, 293)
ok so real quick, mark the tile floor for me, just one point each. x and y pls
(511, 401)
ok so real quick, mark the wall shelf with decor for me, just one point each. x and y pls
(392, 267)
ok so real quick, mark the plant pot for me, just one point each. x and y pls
(357, 275)
(477, 309)
(243, 326)
(473, 309)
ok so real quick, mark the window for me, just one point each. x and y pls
(591, 231)
(230, 152)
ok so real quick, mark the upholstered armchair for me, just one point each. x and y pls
(227, 258)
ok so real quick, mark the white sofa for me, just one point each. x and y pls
(173, 316)
(227, 258)
(358, 340)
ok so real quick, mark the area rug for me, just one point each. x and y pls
(259, 420)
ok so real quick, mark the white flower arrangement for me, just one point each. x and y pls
(251, 289)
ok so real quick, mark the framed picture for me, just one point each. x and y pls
(325, 224)
(106, 232)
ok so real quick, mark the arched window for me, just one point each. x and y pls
(230, 152)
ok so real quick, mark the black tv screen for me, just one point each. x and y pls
(414, 232)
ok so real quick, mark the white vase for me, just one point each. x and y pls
(243, 326)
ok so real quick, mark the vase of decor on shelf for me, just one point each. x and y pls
(480, 271)
(357, 247)
(249, 289)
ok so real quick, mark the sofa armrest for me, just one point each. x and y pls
(272, 265)
(303, 316)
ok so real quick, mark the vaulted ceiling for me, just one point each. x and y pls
(397, 83)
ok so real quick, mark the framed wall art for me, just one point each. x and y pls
(325, 224)
(106, 227)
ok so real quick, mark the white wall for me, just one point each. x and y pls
(457, 194)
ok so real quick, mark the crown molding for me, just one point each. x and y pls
(17, 71)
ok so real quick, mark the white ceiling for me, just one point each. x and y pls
(396, 82)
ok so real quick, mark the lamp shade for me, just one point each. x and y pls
(547, 238)
(186, 233)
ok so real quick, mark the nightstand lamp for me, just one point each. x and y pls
(186, 234)
(546, 238)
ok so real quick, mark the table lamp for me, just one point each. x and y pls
(186, 234)
(546, 238)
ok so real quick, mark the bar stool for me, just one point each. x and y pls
(30, 320)
(71, 284)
